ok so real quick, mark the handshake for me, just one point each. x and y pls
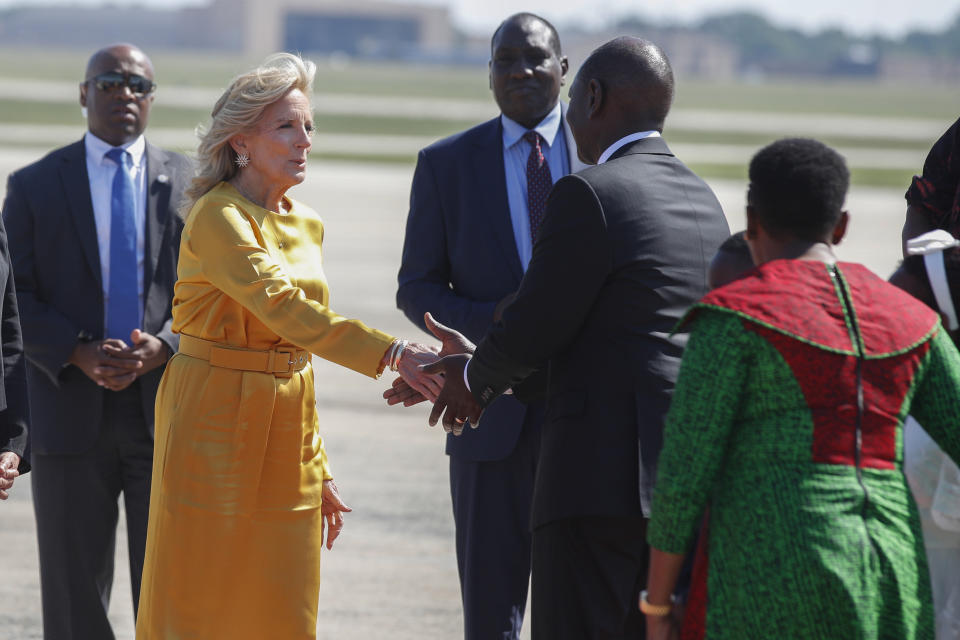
(438, 376)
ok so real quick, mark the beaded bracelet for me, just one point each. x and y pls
(658, 610)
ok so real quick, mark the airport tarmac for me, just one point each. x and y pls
(392, 573)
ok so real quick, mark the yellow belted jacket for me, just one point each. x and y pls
(235, 528)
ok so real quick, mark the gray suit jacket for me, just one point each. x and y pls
(49, 217)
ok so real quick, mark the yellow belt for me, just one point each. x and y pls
(280, 361)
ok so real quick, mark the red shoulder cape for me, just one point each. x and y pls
(802, 299)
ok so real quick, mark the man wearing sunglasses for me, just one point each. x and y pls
(94, 239)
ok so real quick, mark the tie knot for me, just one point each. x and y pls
(120, 156)
(532, 137)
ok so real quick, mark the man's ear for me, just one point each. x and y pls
(490, 74)
(752, 224)
(840, 230)
(752, 234)
(595, 97)
(564, 67)
(83, 94)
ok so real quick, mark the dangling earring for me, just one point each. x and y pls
(242, 160)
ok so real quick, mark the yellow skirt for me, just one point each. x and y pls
(233, 545)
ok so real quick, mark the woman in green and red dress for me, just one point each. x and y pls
(786, 426)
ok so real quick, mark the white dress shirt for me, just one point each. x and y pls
(101, 171)
(516, 151)
(625, 140)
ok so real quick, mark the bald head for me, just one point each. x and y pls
(110, 57)
(117, 91)
(624, 87)
(636, 76)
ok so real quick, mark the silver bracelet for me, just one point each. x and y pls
(395, 361)
(391, 352)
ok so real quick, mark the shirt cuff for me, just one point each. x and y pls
(466, 380)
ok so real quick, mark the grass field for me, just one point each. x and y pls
(803, 107)
(204, 69)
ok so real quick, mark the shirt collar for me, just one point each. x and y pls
(97, 149)
(548, 128)
(616, 146)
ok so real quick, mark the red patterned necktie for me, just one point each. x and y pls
(539, 182)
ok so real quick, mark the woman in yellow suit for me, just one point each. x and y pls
(241, 486)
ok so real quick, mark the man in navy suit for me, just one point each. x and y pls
(14, 409)
(475, 205)
(94, 238)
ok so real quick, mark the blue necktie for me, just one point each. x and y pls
(123, 303)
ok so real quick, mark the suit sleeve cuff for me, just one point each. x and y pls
(466, 380)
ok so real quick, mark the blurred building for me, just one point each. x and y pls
(363, 28)
(72, 26)
(914, 69)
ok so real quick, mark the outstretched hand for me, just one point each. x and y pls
(410, 369)
(455, 402)
(400, 391)
(452, 343)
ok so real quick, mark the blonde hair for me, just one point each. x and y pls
(238, 110)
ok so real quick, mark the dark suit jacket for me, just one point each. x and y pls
(14, 407)
(622, 253)
(460, 257)
(49, 216)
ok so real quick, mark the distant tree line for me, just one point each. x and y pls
(767, 48)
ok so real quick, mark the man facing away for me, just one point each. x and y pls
(94, 239)
(476, 203)
(622, 253)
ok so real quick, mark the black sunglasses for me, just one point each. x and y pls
(114, 81)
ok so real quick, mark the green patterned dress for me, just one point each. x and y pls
(786, 428)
